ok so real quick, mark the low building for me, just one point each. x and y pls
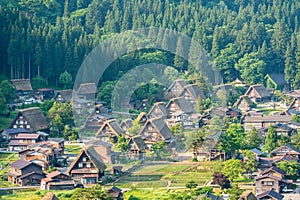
(175, 89)
(63, 96)
(23, 140)
(25, 173)
(247, 195)
(105, 152)
(258, 93)
(109, 131)
(287, 149)
(22, 86)
(116, 193)
(158, 110)
(270, 195)
(272, 178)
(88, 167)
(277, 81)
(57, 181)
(262, 122)
(137, 148)
(244, 104)
(87, 91)
(156, 130)
(45, 93)
(192, 93)
(126, 124)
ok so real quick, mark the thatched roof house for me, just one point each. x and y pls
(31, 119)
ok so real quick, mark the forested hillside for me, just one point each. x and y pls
(246, 38)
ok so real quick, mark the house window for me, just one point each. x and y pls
(27, 126)
(270, 183)
(21, 126)
(84, 159)
(21, 122)
(150, 128)
(21, 117)
(80, 165)
(88, 165)
(15, 126)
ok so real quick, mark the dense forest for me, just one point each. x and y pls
(246, 38)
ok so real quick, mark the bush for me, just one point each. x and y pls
(194, 160)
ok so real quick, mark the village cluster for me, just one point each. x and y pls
(29, 135)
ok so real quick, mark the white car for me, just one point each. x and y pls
(30, 101)
(286, 190)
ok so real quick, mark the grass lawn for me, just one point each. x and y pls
(72, 149)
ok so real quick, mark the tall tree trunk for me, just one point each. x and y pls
(29, 66)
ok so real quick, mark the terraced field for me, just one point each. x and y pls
(169, 175)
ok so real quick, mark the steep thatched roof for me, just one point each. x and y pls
(63, 95)
(138, 142)
(87, 88)
(194, 91)
(184, 105)
(92, 154)
(112, 125)
(160, 125)
(160, 107)
(34, 117)
(22, 84)
(262, 92)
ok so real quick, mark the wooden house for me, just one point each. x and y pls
(225, 88)
(158, 110)
(262, 122)
(116, 193)
(175, 89)
(45, 93)
(22, 86)
(277, 81)
(192, 93)
(209, 151)
(126, 124)
(244, 104)
(105, 152)
(156, 130)
(23, 140)
(63, 96)
(109, 131)
(142, 118)
(88, 167)
(25, 173)
(137, 148)
(31, 119)
(258, 93)
(57, 181)
(247, 195)
(270, 195)
(271, 178)
(293, 94)
(87, 91)
(11, 133)
(287, 149)
(180, 111)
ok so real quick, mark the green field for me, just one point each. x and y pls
(5, 159)
(172, 175)
(37, 194)
(72, 149)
